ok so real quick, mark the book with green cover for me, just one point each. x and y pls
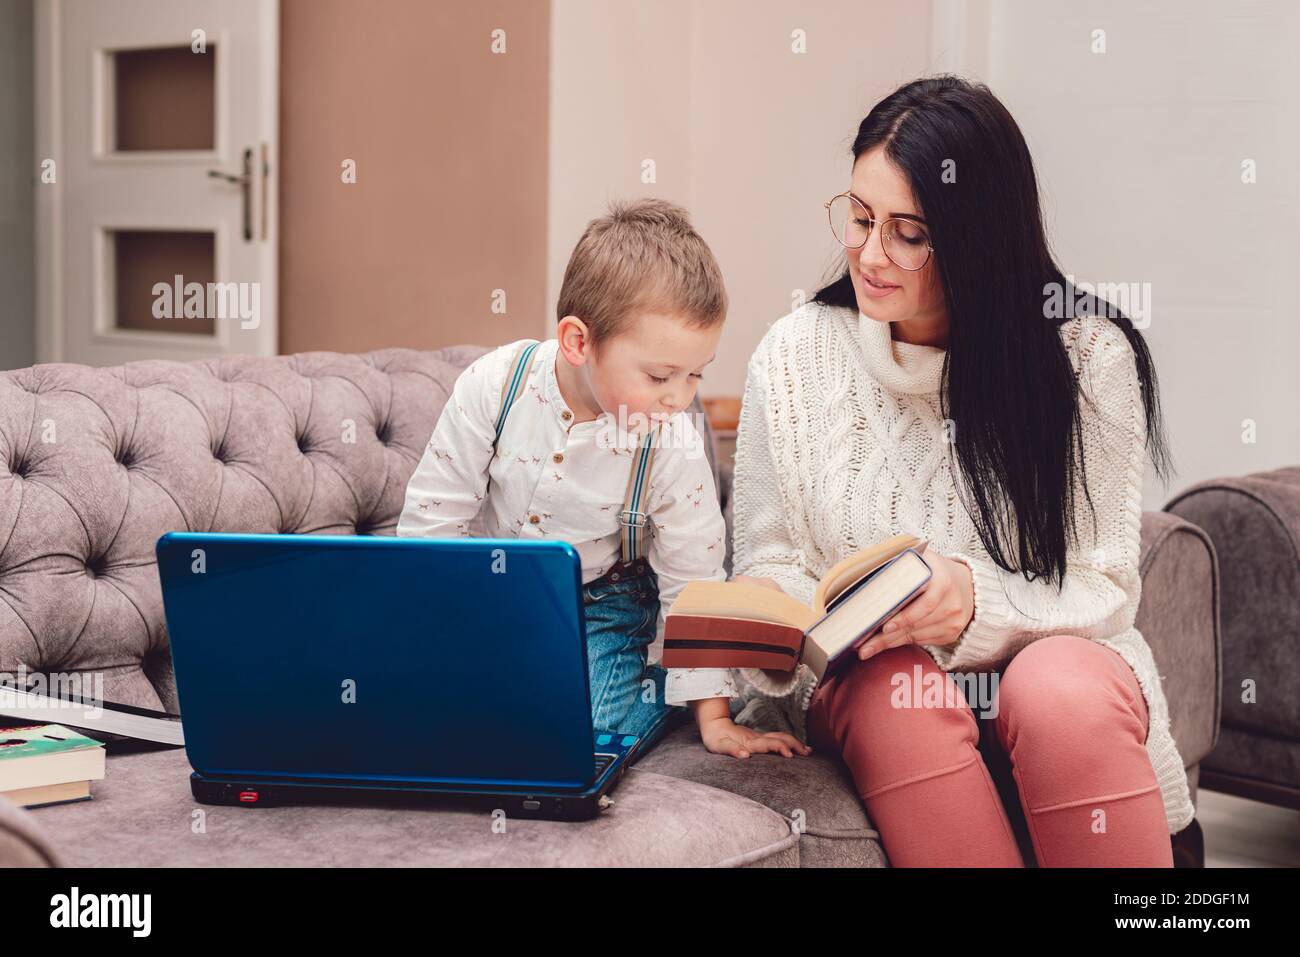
(47, 764)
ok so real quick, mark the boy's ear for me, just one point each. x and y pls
(574, 339)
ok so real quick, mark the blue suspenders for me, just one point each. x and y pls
(632, 518)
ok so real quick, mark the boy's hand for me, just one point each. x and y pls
(724, 736)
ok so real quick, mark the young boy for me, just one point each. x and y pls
(640, 315)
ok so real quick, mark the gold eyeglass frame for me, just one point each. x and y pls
(929, 249)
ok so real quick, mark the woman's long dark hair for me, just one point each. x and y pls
(1007, 380)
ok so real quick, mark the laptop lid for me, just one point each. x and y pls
(457, 662)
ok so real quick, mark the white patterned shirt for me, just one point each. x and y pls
(554, 479)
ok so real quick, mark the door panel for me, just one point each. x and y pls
(163, 127)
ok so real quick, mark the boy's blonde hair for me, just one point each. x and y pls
(644, 254)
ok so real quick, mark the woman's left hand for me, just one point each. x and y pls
(939, 614)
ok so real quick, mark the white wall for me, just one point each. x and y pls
(1139, 153)
(749, 136)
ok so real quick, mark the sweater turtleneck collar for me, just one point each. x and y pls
(900, 367)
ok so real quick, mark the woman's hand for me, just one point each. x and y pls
(939, 614)
(724, 736)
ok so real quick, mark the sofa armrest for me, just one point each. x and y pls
(21, 842)
(1179, 618)
(1254, 522)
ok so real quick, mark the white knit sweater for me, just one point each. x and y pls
(841, 444)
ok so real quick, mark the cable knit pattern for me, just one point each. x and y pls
(841, 444)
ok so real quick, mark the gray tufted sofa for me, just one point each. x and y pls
(95, 464)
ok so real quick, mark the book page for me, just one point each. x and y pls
(742, 600)
(869, 605)
(844, 574)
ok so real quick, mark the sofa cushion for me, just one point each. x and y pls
(814, 793)
(143, 815)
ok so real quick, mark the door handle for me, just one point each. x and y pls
(245, 184)
(266, 177)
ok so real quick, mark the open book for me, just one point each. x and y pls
(104, 720)
(739, 625)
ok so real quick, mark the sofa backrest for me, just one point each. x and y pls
(97, 463)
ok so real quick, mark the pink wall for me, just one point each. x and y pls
(450, 143)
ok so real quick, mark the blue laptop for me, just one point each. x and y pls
(316, 668)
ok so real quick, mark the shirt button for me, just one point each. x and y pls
(566, 415)
(557, 458)
(534, 519)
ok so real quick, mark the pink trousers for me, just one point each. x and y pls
(1068, 717)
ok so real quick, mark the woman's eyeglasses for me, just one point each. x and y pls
(906, 243)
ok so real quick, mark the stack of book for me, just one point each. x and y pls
(47, 764)
(42, 762)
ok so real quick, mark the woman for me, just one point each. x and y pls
(935, 389)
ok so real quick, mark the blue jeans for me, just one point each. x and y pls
(627, 696)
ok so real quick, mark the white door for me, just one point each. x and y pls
(156, 198)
